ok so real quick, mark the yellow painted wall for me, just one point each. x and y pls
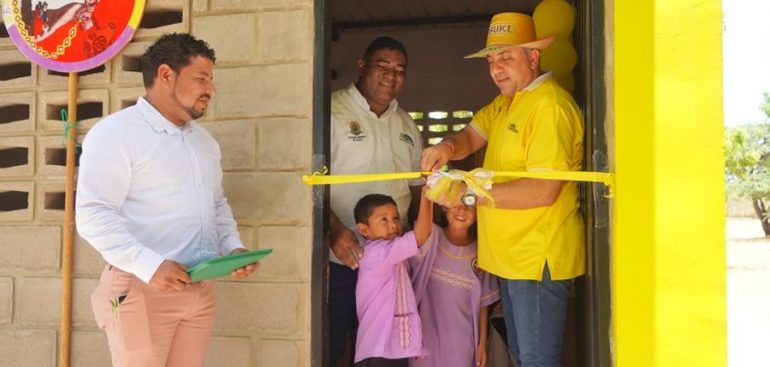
(668, 252)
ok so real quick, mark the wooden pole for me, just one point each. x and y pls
(65, 325)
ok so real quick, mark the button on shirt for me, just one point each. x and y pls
(362, 142)
(149, 191)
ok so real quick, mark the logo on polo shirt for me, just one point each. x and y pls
(513, 128)
(406, 138)
(475, 266)
(356, 133)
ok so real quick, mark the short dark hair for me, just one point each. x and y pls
(365, 206)
(382, 43)
(175, 50)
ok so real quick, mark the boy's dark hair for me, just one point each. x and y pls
(365, 206)
(175, 50)
(383, 43)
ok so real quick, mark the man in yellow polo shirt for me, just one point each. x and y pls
(532, 236)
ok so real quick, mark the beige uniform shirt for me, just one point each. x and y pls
(363, 143)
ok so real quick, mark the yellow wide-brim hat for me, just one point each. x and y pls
(507, 30)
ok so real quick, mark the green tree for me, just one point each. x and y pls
(747, 165)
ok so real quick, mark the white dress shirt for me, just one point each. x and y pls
(149, 191)
(362, 142)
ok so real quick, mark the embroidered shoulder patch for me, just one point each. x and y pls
(355, 133)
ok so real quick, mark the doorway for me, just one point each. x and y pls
(441, 92)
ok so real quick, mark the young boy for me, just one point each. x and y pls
(389, 330)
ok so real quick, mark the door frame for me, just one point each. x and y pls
(593, 290)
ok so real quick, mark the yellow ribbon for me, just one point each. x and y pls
(318, 178)
(606, 178)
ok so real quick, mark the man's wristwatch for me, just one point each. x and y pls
(469, 199)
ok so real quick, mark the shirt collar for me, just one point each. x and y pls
(539, 80)
(361, 101)
(532, 85)
(158, 122)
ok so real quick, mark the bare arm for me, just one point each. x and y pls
(414, 204)
(481, 349)
(424, 224)
(453, 147)
(344, 242)
(525, 193)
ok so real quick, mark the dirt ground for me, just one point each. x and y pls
(748, 293)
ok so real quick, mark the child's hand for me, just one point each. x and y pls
(481, 355)
(453, 200)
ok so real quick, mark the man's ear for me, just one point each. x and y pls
(363, 229)
(360, 65)
(165, 74)
(534, 59)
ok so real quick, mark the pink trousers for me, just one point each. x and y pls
(149, 327)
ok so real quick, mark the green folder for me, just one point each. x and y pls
(224, 265)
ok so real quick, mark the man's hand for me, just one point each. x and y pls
(245, 271)
(170, 276)
(346, 247)
(435, 157)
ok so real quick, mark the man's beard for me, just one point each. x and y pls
(194, 114)
(191, 111)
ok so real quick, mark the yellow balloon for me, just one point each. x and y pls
(554, 17)
(567, 82)
(559, 58)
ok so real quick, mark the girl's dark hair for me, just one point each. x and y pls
(442, 221)
(175, 50)
(365, 206)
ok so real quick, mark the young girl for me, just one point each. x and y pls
(453, 294)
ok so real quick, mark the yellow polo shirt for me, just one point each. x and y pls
(538, 129)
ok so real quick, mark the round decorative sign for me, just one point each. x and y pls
(71, 35)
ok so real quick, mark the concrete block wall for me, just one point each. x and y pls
(261, 117)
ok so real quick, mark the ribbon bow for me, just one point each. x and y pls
(448, 184)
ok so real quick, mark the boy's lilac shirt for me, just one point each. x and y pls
(389, 325)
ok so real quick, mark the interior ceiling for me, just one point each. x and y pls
(362, 14)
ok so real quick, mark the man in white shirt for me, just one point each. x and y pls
(150, 200)
(370, 133)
